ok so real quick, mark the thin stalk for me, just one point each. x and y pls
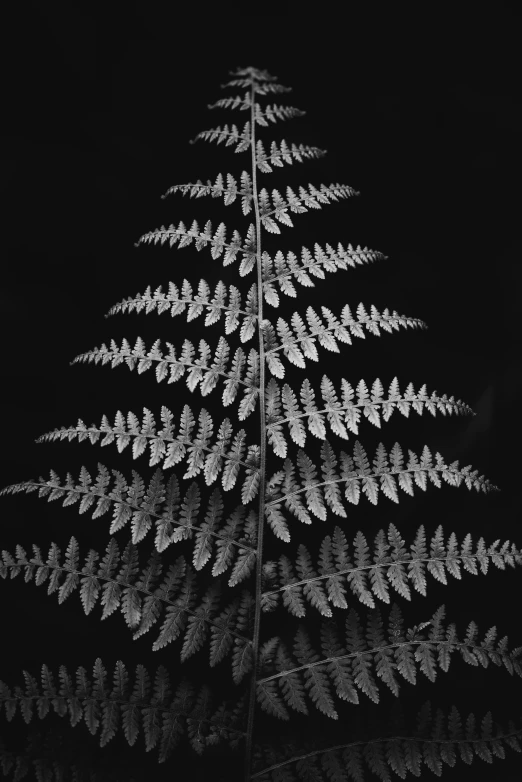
(262, 466)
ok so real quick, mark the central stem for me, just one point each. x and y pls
(262, 427)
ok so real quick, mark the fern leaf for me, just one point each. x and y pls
(202, 452)
(198, 370)
(264, 80)
(273, 113)
(138, 710)
(399, 568)
(356, 474)
(368, 649)
(243, 101)
(314, 199)
(183, 237)
(284, 153)
(242, 654)
(230, 192)
(228, 135)
(302, 345)
(141, 596)
(175, 516)
(437, 739)
(343, 416)
(196, 304)
(262, 115)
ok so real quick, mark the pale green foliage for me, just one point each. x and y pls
(201, 460)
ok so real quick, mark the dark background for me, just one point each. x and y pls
(420, 113)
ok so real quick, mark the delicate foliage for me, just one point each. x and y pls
(143, 597)
(370, 573)
(305, 493)
(437, 739)
(278, 206)
(212, 455)
(225, 301)
(348, 667)
(177, 515)
(284, 272)
(298, 342)
(183, 237)
(145, 707)
(198, 366)
(279, 153)
(217, 460)
(343, 415)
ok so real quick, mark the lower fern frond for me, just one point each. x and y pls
(188, 614)
(161, 717)
(55, 758)
(444, 740)
(349, 667)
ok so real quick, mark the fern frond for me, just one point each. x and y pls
(263, 115)
(153, 711)
(345, 414)
(145, 598)
(274, 112)
(218, 242)
(228, 135)
(244, 103)
(263, 80)
(314, 199)
(218, 189)
(168, 595)
(350, 667)
(356, 474)
(199, 366)
(279, 155)
(438, 738)
(195, 304)
(284, 271)
(175, 515)
(302, 345)
(368, 573)
(205, 452)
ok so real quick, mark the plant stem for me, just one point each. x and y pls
(262, 426)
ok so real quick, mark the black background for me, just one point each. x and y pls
(419, 113)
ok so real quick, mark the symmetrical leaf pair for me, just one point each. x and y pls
(278, 207)
(279, 153)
